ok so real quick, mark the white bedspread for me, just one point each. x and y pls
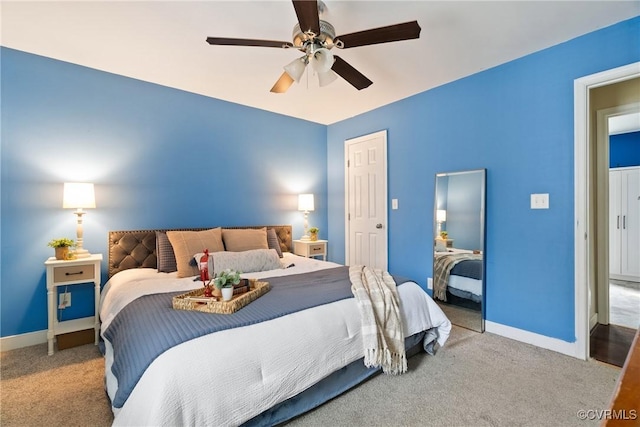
(230, 376)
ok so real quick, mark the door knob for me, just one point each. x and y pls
(378, 225)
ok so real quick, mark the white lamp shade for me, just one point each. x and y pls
(305, 202)
(441, 215)
(78, 195)
(296, 68)
(322, 60)
(327, 78)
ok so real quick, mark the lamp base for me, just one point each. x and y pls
(81, 253)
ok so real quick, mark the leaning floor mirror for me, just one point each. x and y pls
(459, 247)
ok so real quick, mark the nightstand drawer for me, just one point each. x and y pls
(316, 248)
(73, 273)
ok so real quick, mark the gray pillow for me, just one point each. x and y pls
(273, 241)
(164, 253)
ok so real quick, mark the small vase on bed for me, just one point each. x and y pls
(227, 293)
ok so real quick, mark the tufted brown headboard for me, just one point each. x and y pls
(137, 248)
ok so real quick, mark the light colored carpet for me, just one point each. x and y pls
(65, 389)
(475, 380)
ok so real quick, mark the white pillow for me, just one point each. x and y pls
(243, 262)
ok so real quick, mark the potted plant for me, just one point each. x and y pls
(224, 281)
(313, 232)
(61, 247)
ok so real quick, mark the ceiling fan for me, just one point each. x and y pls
(315, 38)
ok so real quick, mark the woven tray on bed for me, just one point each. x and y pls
(195, 300)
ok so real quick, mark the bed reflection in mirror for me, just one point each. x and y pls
(459, 236)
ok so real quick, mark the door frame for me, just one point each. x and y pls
(384, 190)
(602, 208)
(584, 223)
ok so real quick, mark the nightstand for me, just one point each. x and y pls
(67, 273)
(310, 248)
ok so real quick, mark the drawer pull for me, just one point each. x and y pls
(74, 274)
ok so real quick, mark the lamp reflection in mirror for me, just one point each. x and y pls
(305, 204)
(441, 216)
(79, 196)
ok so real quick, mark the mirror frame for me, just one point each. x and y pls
(483, 234)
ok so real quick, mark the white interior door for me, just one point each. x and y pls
(615, 222)
(366, 200)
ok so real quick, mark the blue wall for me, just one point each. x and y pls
(624, 150)
(159, 157)
(515, 120)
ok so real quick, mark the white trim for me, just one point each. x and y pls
(581, 87)
(538, 340)
(23, 340)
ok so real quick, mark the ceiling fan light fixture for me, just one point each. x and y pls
(322, 60)
(327, 78)
(295, 69)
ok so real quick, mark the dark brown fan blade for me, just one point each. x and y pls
(247, 42)
(307, 13)
(350, 74)
(283, 83)
(391, 33)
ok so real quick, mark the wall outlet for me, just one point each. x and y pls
(540, 201)
(64, 300)
(430, 283)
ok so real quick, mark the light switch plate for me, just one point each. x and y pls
(540, 201)
(394, 203)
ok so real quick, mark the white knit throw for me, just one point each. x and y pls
(382, 333)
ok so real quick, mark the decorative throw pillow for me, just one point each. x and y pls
(164, 253)
(243, 262)
(244, 239)
(187, 243)
(273, 241)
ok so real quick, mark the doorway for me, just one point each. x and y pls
(617, 304)
(591, 265)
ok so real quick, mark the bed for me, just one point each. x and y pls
(260, 372)
(458, 277)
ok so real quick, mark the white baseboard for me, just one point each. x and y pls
(554, 344)
(23, 340)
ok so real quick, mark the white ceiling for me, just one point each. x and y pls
(164, 43)
(624, 123)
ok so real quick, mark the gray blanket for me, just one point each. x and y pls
(148, 326)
